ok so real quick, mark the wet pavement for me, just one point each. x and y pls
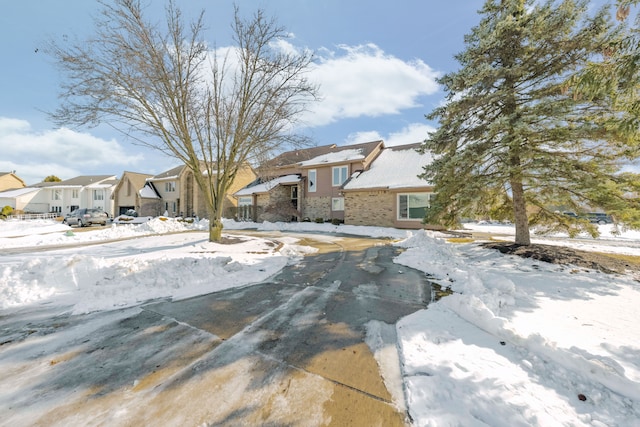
(288, 352)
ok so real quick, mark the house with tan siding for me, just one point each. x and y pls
(127, 193)
(10, 181)
(175, 193)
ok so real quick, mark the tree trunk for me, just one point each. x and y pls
(215, 229)
(520, 212)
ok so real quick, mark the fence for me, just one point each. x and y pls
(27, 216)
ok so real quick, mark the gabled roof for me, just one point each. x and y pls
(13, 174)
(290, 158)
(344, 154)
(149, 191)
(324, 154)
(81, 181)
(137, 179)
(396, 167)
(265, 187)
(170, 174)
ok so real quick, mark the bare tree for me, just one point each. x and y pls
(165, 89)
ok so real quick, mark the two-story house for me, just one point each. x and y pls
(90, 191)
(127, 194)
(363, 184)
(176, 193)
(305, 183)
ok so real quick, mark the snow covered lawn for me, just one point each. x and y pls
(519, 343)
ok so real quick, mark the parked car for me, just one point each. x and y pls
(83, 217)
(599, 218)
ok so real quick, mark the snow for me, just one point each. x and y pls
(394, 168)
(266, 186)
(518, 343)
(336, 157)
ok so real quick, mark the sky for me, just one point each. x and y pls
(520, 342)
(376, 65)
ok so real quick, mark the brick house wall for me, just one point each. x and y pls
(317, 207)
(370, 208)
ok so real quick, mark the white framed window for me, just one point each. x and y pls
(245, 201)
(337, 203)
(75, 194)
(98, 194)
(56, 195)
(339, 174)
(413, 206)
(170, 186)
(313, 185)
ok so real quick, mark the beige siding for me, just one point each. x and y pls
(10, 182)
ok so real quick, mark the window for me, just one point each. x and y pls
(413, 206)
(294, 196)
(339, 174)
(170, 186)
(74, 194)
(312, 181)
(98, 194)
(337, 203)
(245, 201)
(56, 195)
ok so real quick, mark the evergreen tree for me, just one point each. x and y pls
(515, 141)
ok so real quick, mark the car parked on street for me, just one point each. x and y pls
(83, 217)
(599, 218)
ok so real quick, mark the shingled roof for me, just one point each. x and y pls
(295, 157)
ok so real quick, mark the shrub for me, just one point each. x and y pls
(320, 220)
(6, 211)
(336, 221)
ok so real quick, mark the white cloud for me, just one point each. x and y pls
(61, 152)
(414, 132)
(363, 80)
(410, 134)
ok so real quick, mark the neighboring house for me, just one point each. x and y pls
(176, 193)
(390, 193)
(272, 200)
(92, 191)
(127, 194)
(21, 199)
(10, 181)
(308, 180)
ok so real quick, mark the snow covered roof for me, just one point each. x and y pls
(395, 167)
(336, 157)
(317, 155)
(265, 187)
(17, 192)
(148, 192)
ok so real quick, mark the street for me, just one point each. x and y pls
(315, 345)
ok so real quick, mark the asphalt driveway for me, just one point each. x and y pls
(294, 351)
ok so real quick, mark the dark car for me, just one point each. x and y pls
(599, 218)
(83, 217)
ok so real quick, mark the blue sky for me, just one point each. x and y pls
(377, 64)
